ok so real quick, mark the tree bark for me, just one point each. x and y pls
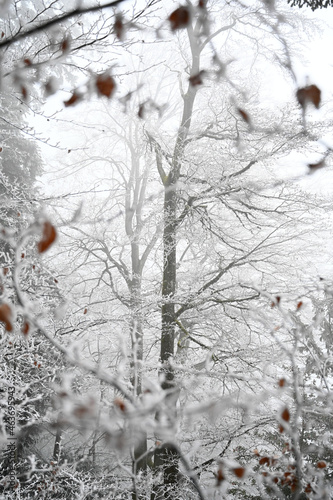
(166, 456)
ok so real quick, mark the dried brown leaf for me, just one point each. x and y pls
(6, 317)
(74, 99)
(65, 45)
(220, 476)
(239, 472)
(197, 79)
(119, 27)
(48, 237)
(309, 94)
(120, 404)
(316, 166)
(25, 328)
(81, 411)
(244, 115)
(49, 87)
(105, 85)
(141, 112)
(276, 302)
(285, 415)
(308, 488)
(282, 382)
(294, 484)
(179, 18)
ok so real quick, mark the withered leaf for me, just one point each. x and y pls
(6, 317)
(220, 476)
(119, 27)
(285, 415)
(49, 87)
(81, 411)
(299, 305)
(321, 464)
(141, 112)
(316, 166)
(48, 237)
(293, 485)
(65, 45)
(120, 404)
(27, 62)
(282, 382)
(85, 311)
(197, 79)
(2, 34)
(24, 92)
(72, 100)
(308, 488)
(105, 85)
(25, 328)
(309, 94)
(239, 472)
(244, 115)
(179, 18)
(264, 461)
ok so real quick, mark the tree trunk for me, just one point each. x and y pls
(166, 456)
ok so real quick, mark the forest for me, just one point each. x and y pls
(166, 289)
